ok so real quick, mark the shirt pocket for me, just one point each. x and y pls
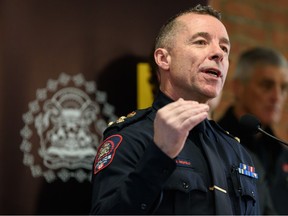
(186, 180)
(248, 194)
(248, 187)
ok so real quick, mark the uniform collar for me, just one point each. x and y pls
(161, 100)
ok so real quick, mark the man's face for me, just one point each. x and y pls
(265, 93)
(198, 58)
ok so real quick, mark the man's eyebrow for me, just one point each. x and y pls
(226, 41)
(207, 36)
(201, 34)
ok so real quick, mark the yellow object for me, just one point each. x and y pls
(144, 88)
(217, 188)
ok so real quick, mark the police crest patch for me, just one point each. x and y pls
(106, 152)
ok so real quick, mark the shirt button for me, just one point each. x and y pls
(185, 185)
(143, 206)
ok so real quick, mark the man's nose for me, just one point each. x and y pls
(278, 93)
(217, 53)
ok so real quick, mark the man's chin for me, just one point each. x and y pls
(269, 121)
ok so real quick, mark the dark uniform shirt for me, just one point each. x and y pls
(273, 157)
(131, 175)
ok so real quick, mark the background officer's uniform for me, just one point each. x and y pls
(273, 157)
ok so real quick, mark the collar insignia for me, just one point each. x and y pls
(122, 118)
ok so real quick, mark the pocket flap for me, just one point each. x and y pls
(186, 180)
(248, 186)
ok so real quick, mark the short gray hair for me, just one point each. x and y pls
(258, 56)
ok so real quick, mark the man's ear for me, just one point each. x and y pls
(162, 58)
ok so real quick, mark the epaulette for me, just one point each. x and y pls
(236, 138)
(226, 132)
(124, 121)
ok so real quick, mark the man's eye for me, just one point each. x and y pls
(201, 42)
(266, 85)
(225, 49)
(284, 88)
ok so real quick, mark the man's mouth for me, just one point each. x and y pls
(213, 72)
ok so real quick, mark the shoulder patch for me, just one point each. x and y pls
(106, 152)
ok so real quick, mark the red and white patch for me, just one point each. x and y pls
(183, 162)
(106, 152)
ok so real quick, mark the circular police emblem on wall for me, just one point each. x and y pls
(63, 128)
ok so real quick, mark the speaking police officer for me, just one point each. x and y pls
(169, 159)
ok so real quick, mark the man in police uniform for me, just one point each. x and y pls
(169, 159)
(260, 88)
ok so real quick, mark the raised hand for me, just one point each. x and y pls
(173, 123)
